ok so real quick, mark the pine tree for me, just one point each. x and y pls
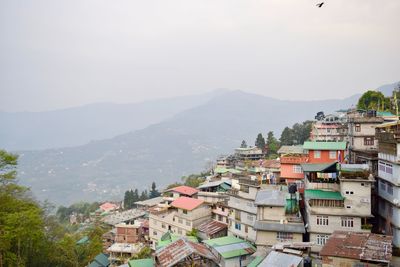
(154, 192)
(144, 195)
(272, 144)
(260, 142)
(243, 144)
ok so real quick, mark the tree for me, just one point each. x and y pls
(144, 195)
(144, 253)
(272, 144)
(194, 232)
(194, 180)
(154, 192)
(243, 144)
(287, 137)
(373, 100)
(260, 142)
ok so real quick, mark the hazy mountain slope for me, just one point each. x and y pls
(162, 152)
(80, 125)
(387, 89)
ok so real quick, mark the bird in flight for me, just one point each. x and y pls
(320, 4)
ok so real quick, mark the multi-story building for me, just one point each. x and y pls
(214, 191)
(128, 233)
(325, 152)
(388, 178)
(337, 197)
(291, 157)
(330, 128)
(362, 142)
(278, 217)
(242, 209)
(180, 217)
(248, 153)
(182, 191)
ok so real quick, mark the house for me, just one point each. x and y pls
(388, 208)
(214, 191)
(225, 161)
(290, 158)
(362, 142)
(108, 239)
(108, 206)
(337, 197)
(120, 253)
(101, 260)
(184, 253)
(180, 217)
(332, 127)
(325, 152)
(267, 171)
(279, 259)
(212, 229)
(169, 238)
(220, 212)
(231, 251)
(345, 248)
(127, 216)
(128, 233)
(242, 209)
(278, 217)
(182, 191)
(248, 153)
(148, 203)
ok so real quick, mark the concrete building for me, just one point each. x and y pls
(214, 191)
(336, 198)
(128, 233)
(243, 211)
(180, 217)
(278, 217)
(356, 249)
(330, 128)
(325, 152)
(248, 153)
(388, 209)
(362, 142)
(291, 157)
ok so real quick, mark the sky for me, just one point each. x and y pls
(58, 54)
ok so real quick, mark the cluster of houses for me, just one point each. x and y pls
(331, 201)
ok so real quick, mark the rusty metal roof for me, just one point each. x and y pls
(211, 227)
(360, 246)
(181, 249)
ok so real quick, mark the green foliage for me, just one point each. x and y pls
(374, 100)
(260, 142)
(194, 180)
(296, 135)
(243, 144)
(144, 253)
(272, 145)
(144, 195)
(194, 232)
(81, 208)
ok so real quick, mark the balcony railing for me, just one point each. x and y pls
(294, 160)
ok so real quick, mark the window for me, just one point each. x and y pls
(358, 128)
(179, 231)
(297, 169)
(250, 217)
(382, 185)
(163, 226)
(281, 236)
(390, 189)
(238, 226)
(368, 141)
(220, 218)
(223, 209)
(347, 222)
(349, 193)
(348, 207)
(237, 215)
(382, 206)
(317, 154)
(246, 229)
(390, 210)
(180, 220)
(154, 232)
(184, 211)
(332, 154)
(321, 239)
(188, 223)
(322, 220)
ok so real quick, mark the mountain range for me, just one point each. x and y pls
(184, 141)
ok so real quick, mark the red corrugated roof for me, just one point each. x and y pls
(108, 206)
(184, 190)
(186, 203)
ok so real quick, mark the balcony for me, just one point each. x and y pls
(388, 137)
(329, 186)
(293, 160)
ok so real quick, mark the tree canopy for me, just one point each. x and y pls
(373, 100)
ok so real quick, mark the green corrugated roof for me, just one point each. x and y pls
(317, 167)
(256, 261)
(322, 194)
(222, 241)
(311, 145)
(225, 170)
(173, 238)
(141, 263)
(101, 260)
(384, 114)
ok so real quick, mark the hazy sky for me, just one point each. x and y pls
(56, 54)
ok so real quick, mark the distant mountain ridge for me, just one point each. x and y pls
(80, 125)
(162, 152)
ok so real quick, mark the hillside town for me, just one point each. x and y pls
(332, 200)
